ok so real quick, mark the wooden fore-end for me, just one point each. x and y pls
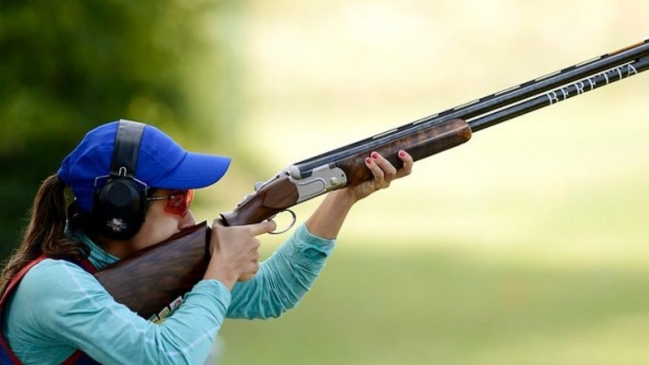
(153, 278)
(274, 197)
(419, 145)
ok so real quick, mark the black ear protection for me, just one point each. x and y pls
(119, 206)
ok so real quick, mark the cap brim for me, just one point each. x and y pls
(195, 171)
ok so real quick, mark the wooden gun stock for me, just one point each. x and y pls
(157, 276)
(419, 145)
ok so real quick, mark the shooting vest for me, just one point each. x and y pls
(6, 355)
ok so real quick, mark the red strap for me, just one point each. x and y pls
(8, 353)
(16, 279)
(12, 284)
(73, 358)
(85, 264)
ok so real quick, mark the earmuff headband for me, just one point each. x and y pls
(126, 149)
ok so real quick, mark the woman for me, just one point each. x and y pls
(132, 187)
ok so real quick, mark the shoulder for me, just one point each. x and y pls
(46, 269)
(48, 293)
(50, 265)
(50, 278)
(53, 291)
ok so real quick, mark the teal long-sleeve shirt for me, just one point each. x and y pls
(59, 308)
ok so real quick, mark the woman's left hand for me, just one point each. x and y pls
(384, 173)
(328, 218)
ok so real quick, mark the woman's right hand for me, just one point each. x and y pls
(235, 251)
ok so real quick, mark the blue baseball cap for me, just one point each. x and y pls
(161, 163)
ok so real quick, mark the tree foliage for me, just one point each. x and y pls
(70, 65)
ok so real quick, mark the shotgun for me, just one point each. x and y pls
(153, 281)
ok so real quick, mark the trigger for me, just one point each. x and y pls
(291, 224)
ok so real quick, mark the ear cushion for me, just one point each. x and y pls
(119, 205)
(119, 208)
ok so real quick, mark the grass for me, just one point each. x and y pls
(424, 306)
(542, 273)
(527, 245)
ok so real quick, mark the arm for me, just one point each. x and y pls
(234, 251)
(283, 279)
(329, 217)
(291, 271)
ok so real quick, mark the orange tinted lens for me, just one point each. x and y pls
(179, 202)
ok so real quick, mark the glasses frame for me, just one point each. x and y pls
(178, 201)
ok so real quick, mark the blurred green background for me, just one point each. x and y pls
(528, 245)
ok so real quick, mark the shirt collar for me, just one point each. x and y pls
(98, 257)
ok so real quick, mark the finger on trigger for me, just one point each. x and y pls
(262, 227)
(272, 225)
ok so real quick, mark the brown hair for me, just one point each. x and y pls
(45, 233)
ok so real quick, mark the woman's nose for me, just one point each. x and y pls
(188, 220)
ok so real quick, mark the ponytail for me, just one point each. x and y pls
(45, 233)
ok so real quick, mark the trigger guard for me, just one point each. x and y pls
(289, 226)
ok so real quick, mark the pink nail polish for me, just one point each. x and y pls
(402, 154)
(375, 155)
(368, 160)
